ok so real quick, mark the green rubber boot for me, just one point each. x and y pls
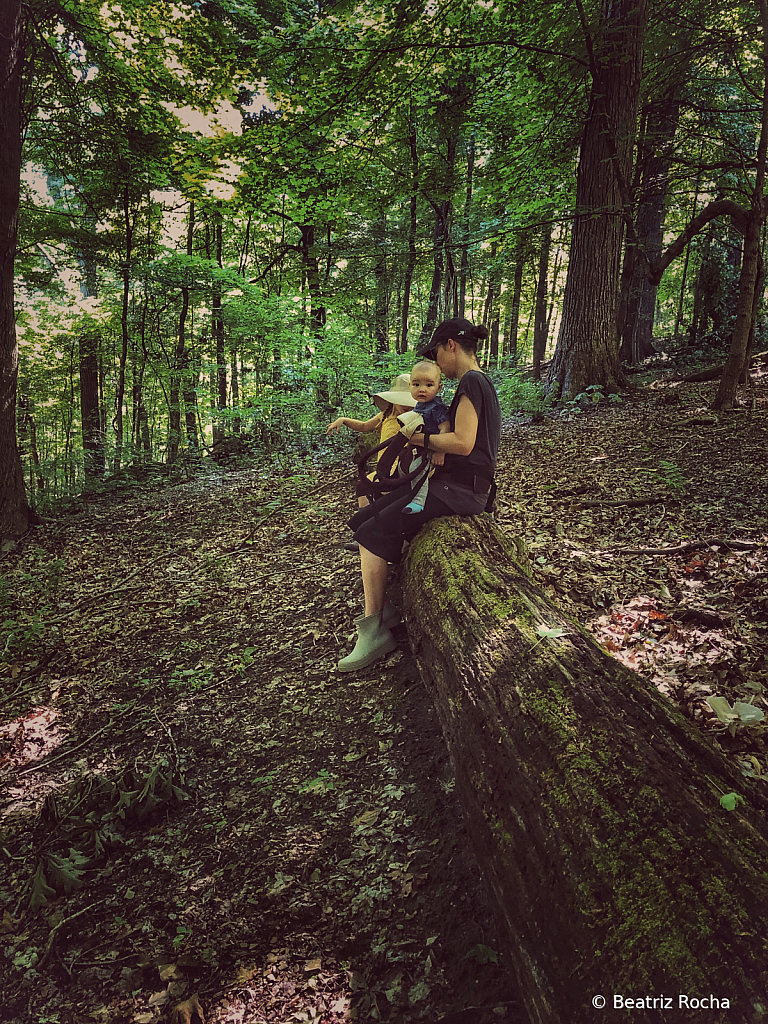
(374, 640)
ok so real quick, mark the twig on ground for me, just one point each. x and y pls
(634, 502)
(170, 736)
(739, 545)
(55, 931)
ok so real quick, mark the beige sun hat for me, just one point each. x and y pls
(398, 394)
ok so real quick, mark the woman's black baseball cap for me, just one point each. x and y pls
(457, 328)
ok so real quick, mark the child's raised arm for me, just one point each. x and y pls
(361, 426)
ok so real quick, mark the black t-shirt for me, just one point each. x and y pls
(482, 394)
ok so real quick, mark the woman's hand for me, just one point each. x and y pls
(336, 425)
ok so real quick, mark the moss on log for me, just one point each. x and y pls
(593, 805)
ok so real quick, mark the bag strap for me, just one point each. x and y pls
(387, 478)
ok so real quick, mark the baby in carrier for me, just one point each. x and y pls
(425, 385)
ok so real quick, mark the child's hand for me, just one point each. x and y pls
(438, 458)
(336, 425)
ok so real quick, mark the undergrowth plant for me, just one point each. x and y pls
(519, 394)
(670, 475)
(591, 395)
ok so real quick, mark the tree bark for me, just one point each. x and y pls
(759, 285)
(381, 300)
(593, 805)
(541, 321)
(464, 265)
(411, 264)
(586, 351)
(88, 341)
(15, 513)
(317, 313)
(636, 331)
(492, 311)
(750, 261)
(442, 214)
(218, 333)
(512, 326)
(124, 339)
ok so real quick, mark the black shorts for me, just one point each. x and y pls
(382, 527)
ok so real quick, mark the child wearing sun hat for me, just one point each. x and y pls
(391, 404)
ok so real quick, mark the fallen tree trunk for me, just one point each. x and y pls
(593, 805)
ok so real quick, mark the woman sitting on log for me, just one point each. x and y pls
(463, 486)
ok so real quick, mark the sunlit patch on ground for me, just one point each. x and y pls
(29, 739)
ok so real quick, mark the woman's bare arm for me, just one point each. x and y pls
(461, 440)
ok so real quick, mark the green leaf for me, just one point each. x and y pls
(550, 634)
(748, 712)
(65, 872)
(722, 709)
(483, 954)
(40, 889)
(730, 801)
(418, 992)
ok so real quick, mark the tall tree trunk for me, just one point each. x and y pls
(744, 377)
(513, 320)
(686, 261)
(88, 340)
(218, 329)
(188, 376)
(236, 421)
(639, 303)
(411, 264)
(180, 367)
(592, 805)
(15, 513)
(492, 311)
(317, 313)
(450, 285)
(381, 302)
(124, 339)
(586, 351)
(750, 269)
(442, 211)
(90, 414)
(139, 367)
(540, 322)
(464, 267)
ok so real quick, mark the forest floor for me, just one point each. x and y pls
(195, 801)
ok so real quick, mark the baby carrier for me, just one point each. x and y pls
(393, 467)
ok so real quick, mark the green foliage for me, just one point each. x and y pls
(518, 394)
(191, 679)
(591, 395)
(730, 801)
(670, 475)
(93, 815)
(483, 954)
(322, 783)
(345, 116)
(24, 629)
